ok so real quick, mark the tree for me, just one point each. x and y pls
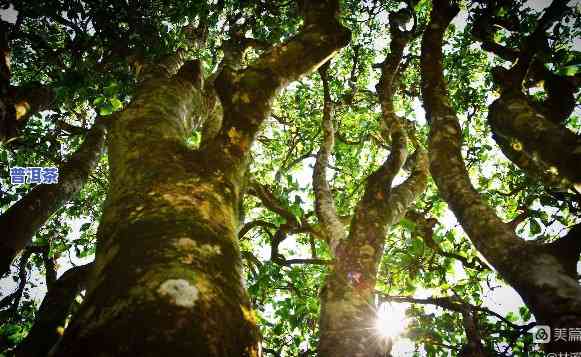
(348, 294)
(194, 274)
(257, 178)
(543, 278)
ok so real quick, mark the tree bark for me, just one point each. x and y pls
(473, 346)
(534, 270)
(167, 277)
(348, 316)
(53, 312)
(537, 145)
(24, 218)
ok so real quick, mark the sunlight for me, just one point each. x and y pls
(391, 320)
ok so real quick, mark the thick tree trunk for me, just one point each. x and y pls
(538, 274)
(167, 276)
(53, 313)
(348, 314)
(23, 219)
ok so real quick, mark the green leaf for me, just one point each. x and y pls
(98, 101)
(569, 70)
(111, 89)
(116, 104)
(417, 246)
(107, 109)
(534, 227)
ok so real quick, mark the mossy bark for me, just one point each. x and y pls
(533, 270)
(347, 320)
(540, 147)
(167, 277)
(348, 315)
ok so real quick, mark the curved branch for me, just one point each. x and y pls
(425, 229)
(253, 224)
(245, 107)
(540, 278)
(12, 301)
(454, 304)
(446, 163)
(539, 146)
(403, 195)
(331, 225)
(270, 201)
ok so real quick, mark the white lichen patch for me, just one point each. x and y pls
(189, 245)
(186, 244)
(179, 292)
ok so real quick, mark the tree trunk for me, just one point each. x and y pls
(24, 218)
(473, 346)
(167, 276)
(348, 315)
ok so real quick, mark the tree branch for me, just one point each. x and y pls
(425, 229)
(331, 226)
(246, 95)
(494, 239)
(53, 312)
(25, 217)
(453, 304)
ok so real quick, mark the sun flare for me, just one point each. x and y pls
(391, 320)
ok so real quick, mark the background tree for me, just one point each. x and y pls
(554, 299)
